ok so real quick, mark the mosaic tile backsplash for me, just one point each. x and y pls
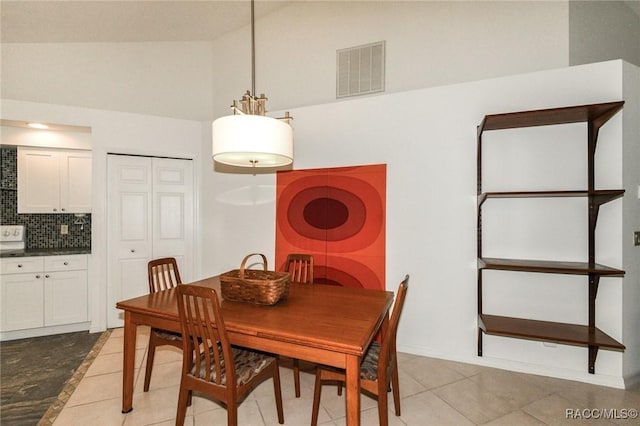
(42, 230)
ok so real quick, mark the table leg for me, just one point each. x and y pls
(128, 362)
(353, 390)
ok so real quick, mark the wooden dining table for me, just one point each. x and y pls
(324, 324)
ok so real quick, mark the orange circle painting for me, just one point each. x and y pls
(338, 216)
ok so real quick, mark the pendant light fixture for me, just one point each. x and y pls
(249, 138)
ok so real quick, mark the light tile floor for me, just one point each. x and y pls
(433, 392)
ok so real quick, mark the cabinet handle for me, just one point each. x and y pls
(47, 276)
(64, 210)
(38, 276)
(133, 250)
(65, 263)
(55, 210)
(19, 265)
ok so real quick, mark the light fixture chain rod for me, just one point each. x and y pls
(253, 52)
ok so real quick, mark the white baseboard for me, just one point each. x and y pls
(527, 368)
(43, 331)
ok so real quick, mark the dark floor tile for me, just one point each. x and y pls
(33, 372)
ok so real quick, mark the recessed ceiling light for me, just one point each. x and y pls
(37, 125)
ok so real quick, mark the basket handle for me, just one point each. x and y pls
(244, 263)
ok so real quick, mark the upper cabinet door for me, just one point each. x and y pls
(54, 180)
(75, 181)
(38, 181)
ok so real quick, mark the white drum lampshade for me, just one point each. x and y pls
(252, 141)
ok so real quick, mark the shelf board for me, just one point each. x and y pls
(571, 334)
(548, 266)
(594, 116)
(600, 196)
(544, 117)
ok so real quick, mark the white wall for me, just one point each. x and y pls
(165, 79)
(428, 43)
(47, 138)
(631, 221)
(428, 140)
(601, 31)
(113, 132)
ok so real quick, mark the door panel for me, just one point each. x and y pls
(134, 216)
(171, 216)
(173, 212)
(151, 215)
(129, 230)
(133, 278)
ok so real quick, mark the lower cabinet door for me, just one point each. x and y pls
(22, 301)
(65, 297)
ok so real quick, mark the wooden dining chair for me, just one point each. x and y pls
(378, 369)
(210, 364)
(163, 275)
(300, 268)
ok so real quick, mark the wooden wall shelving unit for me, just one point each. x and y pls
(595, 115)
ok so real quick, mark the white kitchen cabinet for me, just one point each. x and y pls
(43, 291)
(65, 289)
(54, 180)
(21, 293)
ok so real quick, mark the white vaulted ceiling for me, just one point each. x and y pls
(125, 21)
(51, 21)
(634, 5)
(189, 59)
(146, 57)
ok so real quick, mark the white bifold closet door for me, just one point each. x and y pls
(150, 215)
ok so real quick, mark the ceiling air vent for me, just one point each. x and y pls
(360, 70)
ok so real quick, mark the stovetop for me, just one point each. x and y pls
(12, 244)
(11, 238)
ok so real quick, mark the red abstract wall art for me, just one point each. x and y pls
(338, 216)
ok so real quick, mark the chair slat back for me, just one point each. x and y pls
(163, 274)
(388, 347)
(300, 268)
(206, 345)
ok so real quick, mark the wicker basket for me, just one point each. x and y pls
(254, 286)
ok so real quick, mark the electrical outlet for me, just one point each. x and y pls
(636, 238)
(64, 229)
